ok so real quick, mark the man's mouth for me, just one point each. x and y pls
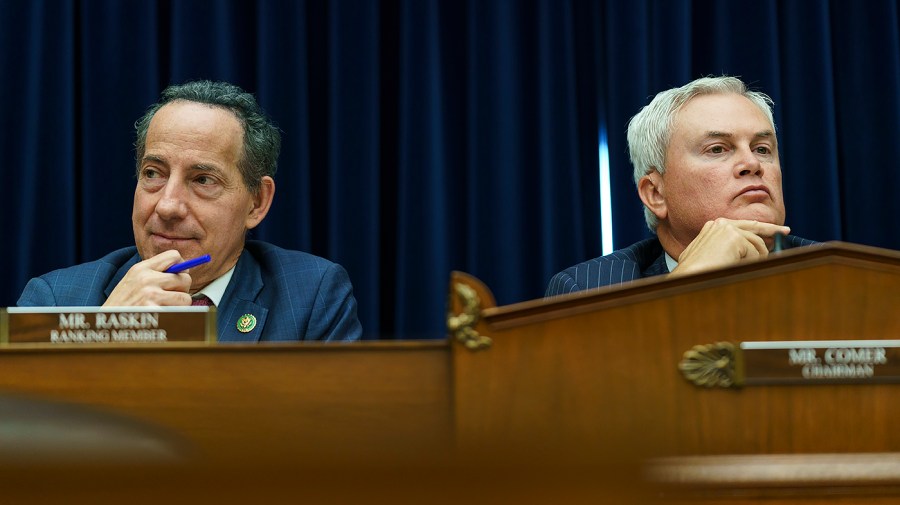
(165, 237)
(755, 191)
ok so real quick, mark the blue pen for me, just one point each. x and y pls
(184, 265)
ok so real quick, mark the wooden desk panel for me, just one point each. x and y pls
(608, 376)
(265, 401)
(594, 376)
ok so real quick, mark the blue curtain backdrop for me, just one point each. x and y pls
(423, 136)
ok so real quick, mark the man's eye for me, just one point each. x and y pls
(205, 180)
(763, 150)
(717, 149)
(149, 173)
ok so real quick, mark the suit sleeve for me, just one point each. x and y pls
(37, 293)
(334, 315)
(561, 284)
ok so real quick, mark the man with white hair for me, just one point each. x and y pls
(706, 167)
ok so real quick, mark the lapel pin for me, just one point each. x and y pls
(246, 323)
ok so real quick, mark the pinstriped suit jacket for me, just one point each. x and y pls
(643, 259)
(293, 295)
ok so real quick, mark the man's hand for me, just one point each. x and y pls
(725, 242)
(147, 284)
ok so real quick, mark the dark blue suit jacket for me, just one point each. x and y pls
(294, 295)
(643, 259)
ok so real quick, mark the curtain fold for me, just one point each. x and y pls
(425, 136)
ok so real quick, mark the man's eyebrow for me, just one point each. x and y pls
(154, 158)
(203, 167)
(198, 167)
(721, 134)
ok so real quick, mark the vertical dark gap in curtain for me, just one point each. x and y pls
(480, 47)
(319, 88)
(833, 80)
(78, 140)
(477, 45)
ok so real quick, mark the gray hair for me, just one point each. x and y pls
(650, 130)
(262, 140)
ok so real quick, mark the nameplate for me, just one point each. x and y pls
(826, 361)
(793, 362)
(106, 325)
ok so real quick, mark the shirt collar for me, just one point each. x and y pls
(670, 262)
(216, 289)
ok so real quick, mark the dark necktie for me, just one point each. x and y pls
(201, 301)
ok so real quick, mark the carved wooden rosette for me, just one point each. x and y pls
(711, 365)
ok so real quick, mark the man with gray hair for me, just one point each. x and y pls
(206, 155)
(706, 167)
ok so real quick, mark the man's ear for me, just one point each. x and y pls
(652, 191)
(261, 202)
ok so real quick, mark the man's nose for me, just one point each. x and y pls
(748, 163)
(173, 202)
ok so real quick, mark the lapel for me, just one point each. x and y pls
(240, 300)
(650, 257)
(658, 267)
